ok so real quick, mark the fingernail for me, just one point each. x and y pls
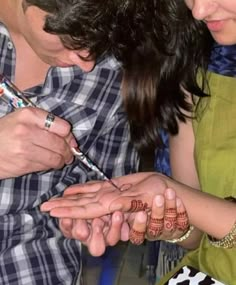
(170, 194)
(73, 143)
(70, 161)
(141, 217)
(178, 202)
(159, 200)
(117, 217)
(97, 230)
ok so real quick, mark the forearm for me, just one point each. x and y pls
(210, 214)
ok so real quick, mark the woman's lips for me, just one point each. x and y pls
(215, 26)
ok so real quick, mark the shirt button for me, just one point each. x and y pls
(9, 45)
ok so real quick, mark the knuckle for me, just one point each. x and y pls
(56, 161)
(21, 130)
(77, 234)
(26, 113)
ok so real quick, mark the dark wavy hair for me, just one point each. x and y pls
(167, 60)
(103, 27)
(162, 49)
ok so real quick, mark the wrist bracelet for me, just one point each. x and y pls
(183, 237)
(228, 241)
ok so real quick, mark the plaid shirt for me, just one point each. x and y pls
(32, 249)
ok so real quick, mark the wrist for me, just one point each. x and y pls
(183, 237)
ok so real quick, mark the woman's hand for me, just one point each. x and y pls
(98, 199)
(168, 220)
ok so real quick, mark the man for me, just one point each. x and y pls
(48, 49)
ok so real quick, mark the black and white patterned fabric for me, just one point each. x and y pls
(190, 276)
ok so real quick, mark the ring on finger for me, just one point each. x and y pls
(48, 121)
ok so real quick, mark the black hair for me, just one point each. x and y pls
(162, 49)
(165, 64)
(99, 26)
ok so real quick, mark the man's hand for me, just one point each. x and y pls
(26, 146)
(98, 233)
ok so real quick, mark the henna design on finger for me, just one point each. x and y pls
(136, 237)
(155, 227)
(182, 221)
(138, 205)
(170, 221)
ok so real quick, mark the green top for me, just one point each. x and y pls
(215, 157)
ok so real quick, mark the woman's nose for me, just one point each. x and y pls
(202, 9)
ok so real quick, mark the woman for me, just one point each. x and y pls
(202, 157)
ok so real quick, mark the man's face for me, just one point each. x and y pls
(47, 46)
(219, 16)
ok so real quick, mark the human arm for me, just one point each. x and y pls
(183, 168)
(212, 215)
(27, 147)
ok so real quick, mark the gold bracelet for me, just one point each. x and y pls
(183, 237)
(228, 241)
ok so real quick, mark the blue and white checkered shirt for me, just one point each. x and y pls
(32, 248)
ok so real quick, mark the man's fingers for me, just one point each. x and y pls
(124, 236)
(96, 245)
(65, 226)
(137, 232)
(80, 230)
(156, 221)
(114, 233)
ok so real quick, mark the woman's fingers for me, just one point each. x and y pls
(156, 221)
(137, 232)
(89, 187)
(182, 216)
(170, 218)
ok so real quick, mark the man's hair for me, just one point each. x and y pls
(100, 26)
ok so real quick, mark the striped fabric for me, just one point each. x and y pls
(32, 249)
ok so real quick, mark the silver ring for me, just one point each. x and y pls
(49, 120)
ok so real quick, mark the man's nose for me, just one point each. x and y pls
(85, 64)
